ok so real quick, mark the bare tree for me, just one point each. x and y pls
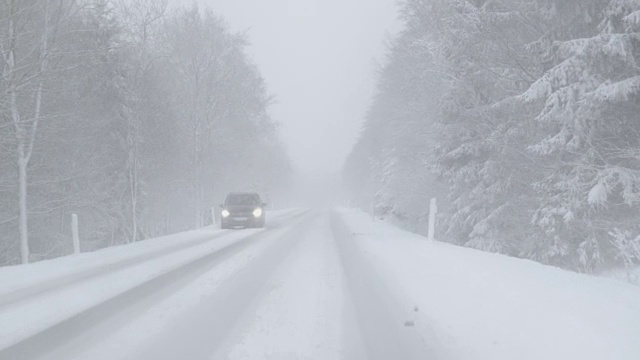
(117, 112)
(140, 18)
(29, 35)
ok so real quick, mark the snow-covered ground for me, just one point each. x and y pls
(37, 296)
(474, 305)
(299, 316)
(22, 277)
(631, 275)
(185, 323)
(318, 285)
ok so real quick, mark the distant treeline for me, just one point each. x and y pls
(524, 114)
(135, 117)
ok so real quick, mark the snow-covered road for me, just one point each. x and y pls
(312, 285)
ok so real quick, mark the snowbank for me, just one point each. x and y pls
(29, 303)
(631, 276)
(18, 277)
(477, 305)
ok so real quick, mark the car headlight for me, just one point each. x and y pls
(225, 213)
(257, 212)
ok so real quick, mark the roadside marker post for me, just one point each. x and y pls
(74, 232)
(213, 216)
(373, 211)
(433, 208)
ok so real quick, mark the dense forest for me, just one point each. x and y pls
(135, 117)
(523, 116)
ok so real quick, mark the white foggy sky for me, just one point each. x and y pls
(318, 58)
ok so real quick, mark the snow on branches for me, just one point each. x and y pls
(531, 114)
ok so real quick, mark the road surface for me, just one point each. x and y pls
(298, 289)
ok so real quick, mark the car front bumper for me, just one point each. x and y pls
(242, 220)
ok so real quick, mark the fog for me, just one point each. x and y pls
(145, 113)
(320, 179)
(171, 108)
(140, 115)
(319, 60)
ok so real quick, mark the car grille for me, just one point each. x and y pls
(241, 213)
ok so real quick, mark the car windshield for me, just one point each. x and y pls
(242, 199)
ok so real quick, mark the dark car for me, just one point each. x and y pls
(243, 209)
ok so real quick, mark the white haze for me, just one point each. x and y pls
(464, 200)
(319, 60)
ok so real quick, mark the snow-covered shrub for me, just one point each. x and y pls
(627, 249)
(589, 100)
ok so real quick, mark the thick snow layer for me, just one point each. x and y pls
(631, 276)
(300, 316)
(166, 328)
(476, 305)
(29, 316)
(345, 288)
(24, 316)
(18, 277)
(293, 313)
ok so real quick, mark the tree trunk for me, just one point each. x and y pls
(196, 181)
(25, 130)
(22, 180)
(10, 79)
(23, 162)
(133, 175)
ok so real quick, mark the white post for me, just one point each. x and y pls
(373, 211)
(74, 231)
(213, 215)
(433, 208)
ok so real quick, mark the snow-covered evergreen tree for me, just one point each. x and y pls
(534, 105)
(589, 97)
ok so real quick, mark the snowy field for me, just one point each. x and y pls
(476, 305)
(312, 285)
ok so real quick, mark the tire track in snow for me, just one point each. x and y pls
(200, 334)
(300, 317)
(111, 313)
(379, 316)
(57, 283)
